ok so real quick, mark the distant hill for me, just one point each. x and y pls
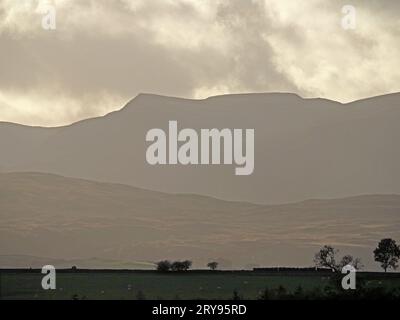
(305, 148)
(71, 220)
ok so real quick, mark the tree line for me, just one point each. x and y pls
(179, 266)
(387, 253)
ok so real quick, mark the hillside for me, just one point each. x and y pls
(72, 219)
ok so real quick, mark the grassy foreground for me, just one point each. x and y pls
(127, 285)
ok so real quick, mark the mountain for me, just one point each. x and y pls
(72, 220)
(304, 148)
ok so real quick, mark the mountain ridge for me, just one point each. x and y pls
(159, 96)
(189, 195)
(303, 148)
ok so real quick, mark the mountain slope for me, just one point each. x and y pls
(305, 148)
(71, 219)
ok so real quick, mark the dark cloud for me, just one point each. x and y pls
(108, 51)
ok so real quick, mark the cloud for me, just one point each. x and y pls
(105, 52)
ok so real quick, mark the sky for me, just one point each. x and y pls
(103, 53)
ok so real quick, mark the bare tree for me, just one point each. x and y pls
(326, 258)
(350, 260)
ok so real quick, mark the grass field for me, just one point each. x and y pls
(152, 285)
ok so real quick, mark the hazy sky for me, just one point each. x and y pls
(105, 52)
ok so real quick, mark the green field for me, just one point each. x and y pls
(152, 285)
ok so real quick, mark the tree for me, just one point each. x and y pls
(187, 264)
(164, 266)
(177, 266)
(181, 265)
(326, 258)
(213, 265)
(350, 260)
(387, 254)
